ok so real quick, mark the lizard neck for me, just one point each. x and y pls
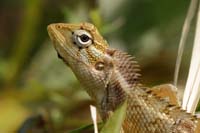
(126, 69)
(122, 81)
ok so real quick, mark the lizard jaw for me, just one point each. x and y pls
(58, 43)
(60, 57)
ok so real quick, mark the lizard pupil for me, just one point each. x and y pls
(84, 38)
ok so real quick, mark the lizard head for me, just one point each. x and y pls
(84, 50)
(95, 65)
(77, 42)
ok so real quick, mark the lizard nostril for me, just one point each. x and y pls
(58, 26)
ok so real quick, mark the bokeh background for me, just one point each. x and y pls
(36, 85)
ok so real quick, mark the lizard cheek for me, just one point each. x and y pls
(99, 66)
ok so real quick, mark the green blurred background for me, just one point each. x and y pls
(34, 81)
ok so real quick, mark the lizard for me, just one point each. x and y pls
(111, 77)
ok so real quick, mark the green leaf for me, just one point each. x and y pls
(89, 127)
(114, 123)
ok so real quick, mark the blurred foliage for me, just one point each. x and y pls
(33, 82)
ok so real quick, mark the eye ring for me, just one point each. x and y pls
(82, 38)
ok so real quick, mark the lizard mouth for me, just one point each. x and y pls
(54, 37)
(60, 57)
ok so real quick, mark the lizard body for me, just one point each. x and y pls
(111, 77)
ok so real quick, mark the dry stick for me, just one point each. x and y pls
(184, 34)
(193, 82)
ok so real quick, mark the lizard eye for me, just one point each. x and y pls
(82, 38)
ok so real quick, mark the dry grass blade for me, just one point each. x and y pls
(192, 89)
(193, 82)
(93, 111)
(185, 31)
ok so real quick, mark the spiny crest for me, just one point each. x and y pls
(164, 105)
(166, 91)
(128, 67)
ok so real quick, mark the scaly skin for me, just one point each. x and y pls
(110, 77)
